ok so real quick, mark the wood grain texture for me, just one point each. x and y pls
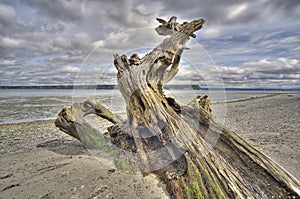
(204, 160)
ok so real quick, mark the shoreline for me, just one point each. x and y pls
(214, 103)
(28, 122)
(252, 98)
(39, 160)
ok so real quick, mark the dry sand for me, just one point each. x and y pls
(271, 124)
(38, 161)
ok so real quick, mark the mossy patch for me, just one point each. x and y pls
(102, 177)
(47, 196)
(193, 191)
(124, 165)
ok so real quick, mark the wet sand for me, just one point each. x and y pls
(39, 161)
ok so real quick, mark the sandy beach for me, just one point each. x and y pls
(271, 125)
(39, 161)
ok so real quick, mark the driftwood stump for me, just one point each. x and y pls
(169, 139)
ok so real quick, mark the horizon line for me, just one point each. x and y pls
(115, 86)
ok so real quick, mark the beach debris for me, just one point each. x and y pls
(110, 171)
(182, 145)
(11, 186)
(47, 196)
(6, 176)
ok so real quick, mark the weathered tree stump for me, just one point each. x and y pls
(169, 139)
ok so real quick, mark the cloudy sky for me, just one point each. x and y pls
(252, 43)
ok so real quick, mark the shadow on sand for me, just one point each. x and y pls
(64, 147)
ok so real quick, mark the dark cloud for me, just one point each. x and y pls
(288, 6)
(7, 15)
(231, 11)
(69, 11)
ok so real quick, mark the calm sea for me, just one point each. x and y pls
(20, 105)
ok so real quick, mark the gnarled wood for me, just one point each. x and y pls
(183, 145)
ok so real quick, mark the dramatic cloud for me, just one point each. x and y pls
(253, 43)
(262, 74)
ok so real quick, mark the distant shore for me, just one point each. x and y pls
(171, 86)
(38, 160)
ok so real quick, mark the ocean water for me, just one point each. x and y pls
(21, 105)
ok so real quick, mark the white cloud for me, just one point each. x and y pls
(210, 33)
(7, 42)
(7, 62)
(70, 68)
(236, 10)
(130, 39)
